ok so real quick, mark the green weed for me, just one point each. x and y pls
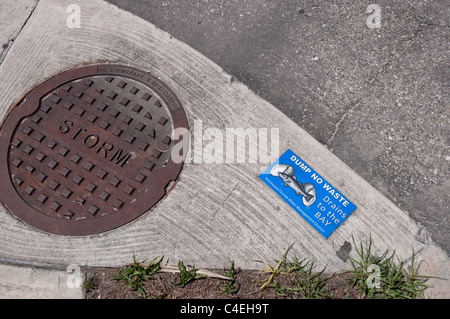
(308, 283)
(187, 275)
(384, 277)
(133, 275)
(228, 287)
(88, 285)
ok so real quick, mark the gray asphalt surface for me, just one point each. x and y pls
(377, 97)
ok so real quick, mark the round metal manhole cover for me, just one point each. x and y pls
(90, 149)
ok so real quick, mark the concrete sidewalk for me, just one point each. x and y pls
(216, 212)
(28, 282)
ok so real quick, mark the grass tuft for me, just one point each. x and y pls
(88, 286)
(274, 271)
(133, 275)
(385, 276)
(228, 287)
(308, 283)
(187, 275)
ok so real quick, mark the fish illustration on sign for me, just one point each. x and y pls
(308, 193)
(287, 174)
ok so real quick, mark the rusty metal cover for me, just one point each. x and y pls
(89, 149)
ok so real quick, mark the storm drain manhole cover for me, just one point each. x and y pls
(90, 149)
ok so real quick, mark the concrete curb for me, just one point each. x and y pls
(24, 282)
(216, 212)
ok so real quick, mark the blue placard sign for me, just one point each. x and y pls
(316, 200)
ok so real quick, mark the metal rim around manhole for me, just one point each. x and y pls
(89, 149)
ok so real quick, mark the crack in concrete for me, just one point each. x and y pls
(338, 123)
(32, 264)
(228, 196)
(11, 41)
(6, 50)
(224, 201)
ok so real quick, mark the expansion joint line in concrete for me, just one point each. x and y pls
(11, 41)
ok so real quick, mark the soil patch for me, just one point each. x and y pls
(103, 285)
